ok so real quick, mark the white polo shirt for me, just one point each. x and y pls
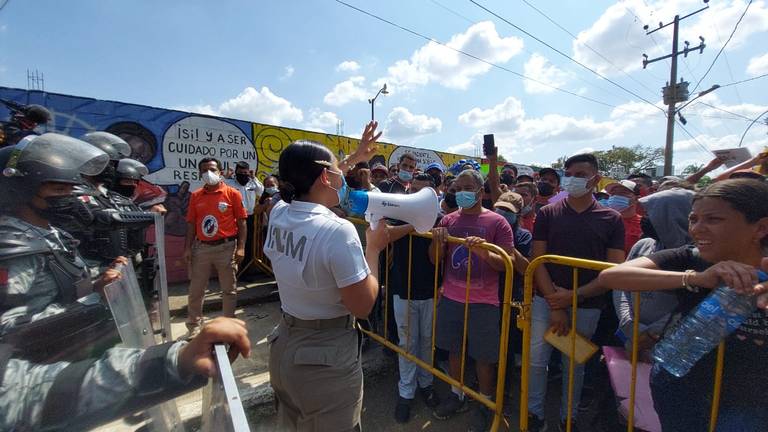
(251, 192)
(313, 254)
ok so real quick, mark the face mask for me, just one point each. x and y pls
(342, 191)
(545, 189)
(465, 199)
(271, 190)
(603, 202)
(405, 176)
(243, 179)
(211, 178)
(65, 211)
(618, 203)
(108, 177)
(507, 179)
(575, 186)
(438, 179)
(450, 200)
(526, 210)
(125, 190)
(509, 216)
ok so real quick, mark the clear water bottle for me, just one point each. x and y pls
(699, 332)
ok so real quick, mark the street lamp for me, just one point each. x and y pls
(382, 90)
(703, 93)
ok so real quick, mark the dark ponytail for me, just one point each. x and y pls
(299, 168)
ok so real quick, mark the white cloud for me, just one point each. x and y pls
(637, 111)
(322, 121)
(758, 65)
(435, 63)
(504, 116)
(348, 66)
(402, 124)
(289, 70)
(620, 37)
(540, 68)
(347, 91)
(467, 148)
(260, 106)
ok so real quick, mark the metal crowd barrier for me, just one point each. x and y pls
(222, 406)
(525, 320)
(496, 405)
(258, 258)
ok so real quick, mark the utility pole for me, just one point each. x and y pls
(674, 92)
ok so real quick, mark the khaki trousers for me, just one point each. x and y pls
(317, 378)
(204, 257)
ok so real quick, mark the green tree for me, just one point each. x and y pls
(692, 169)
(629, 159)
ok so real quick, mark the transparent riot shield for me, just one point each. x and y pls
(222, 406)
(161, 278)
(125, 302)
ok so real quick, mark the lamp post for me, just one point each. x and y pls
(382, 90)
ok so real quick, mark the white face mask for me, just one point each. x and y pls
(575, 186)
(210, 178)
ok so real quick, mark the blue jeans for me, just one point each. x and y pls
(586, 323)
(417, 341)
(684, 403)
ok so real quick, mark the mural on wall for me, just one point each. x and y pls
(170, 143)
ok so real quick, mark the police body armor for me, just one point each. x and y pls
(79, 331)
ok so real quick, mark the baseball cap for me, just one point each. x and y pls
(544, 171)
(510, 201)
(626, 184)
(379, 167)
(524, 178)
(434, 165)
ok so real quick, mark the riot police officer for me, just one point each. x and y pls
(118, 225)
(48, 305)
(24, 120)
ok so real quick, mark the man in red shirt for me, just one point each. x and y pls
(623, 199)
(216, 234)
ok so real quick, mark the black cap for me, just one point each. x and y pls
(549, 171)
(36, 113)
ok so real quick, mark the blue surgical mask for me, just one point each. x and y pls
(342, 191)
(271, 190)
(618, 203)
(509, 216)
(575, 186)
(405, 176)
(465, 199)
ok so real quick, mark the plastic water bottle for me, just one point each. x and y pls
(719, 315)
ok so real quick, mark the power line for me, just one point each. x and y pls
(518, 74)
(586, 45)
(693, 137)
(725, 111)
(566, 55)
(470, 21)
(723, 47)
(744, 80)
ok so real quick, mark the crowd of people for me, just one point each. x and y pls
(663, 225)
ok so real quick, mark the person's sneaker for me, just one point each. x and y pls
(450, 406)
(429, 395)
(564, 426)
(480, 419)
(536, 424)
(403, 410)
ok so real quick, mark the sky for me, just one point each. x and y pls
(313, 64)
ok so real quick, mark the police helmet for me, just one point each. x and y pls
(50, 157)
(112, 145)
(131, 169)
(36, 113)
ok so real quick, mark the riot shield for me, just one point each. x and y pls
(125, 302)
(222, 406)
(161, 278)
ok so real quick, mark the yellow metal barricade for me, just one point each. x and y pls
(524, 322)
(496, 404)
(258, 259)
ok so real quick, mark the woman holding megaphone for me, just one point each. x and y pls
(325, 281)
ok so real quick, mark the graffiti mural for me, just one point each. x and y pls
(170, 143)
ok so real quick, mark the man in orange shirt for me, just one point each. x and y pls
(623, 199)
(216, 234)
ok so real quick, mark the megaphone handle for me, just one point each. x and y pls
(373, 220)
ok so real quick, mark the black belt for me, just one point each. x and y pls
(219, 241)
(346, 321)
